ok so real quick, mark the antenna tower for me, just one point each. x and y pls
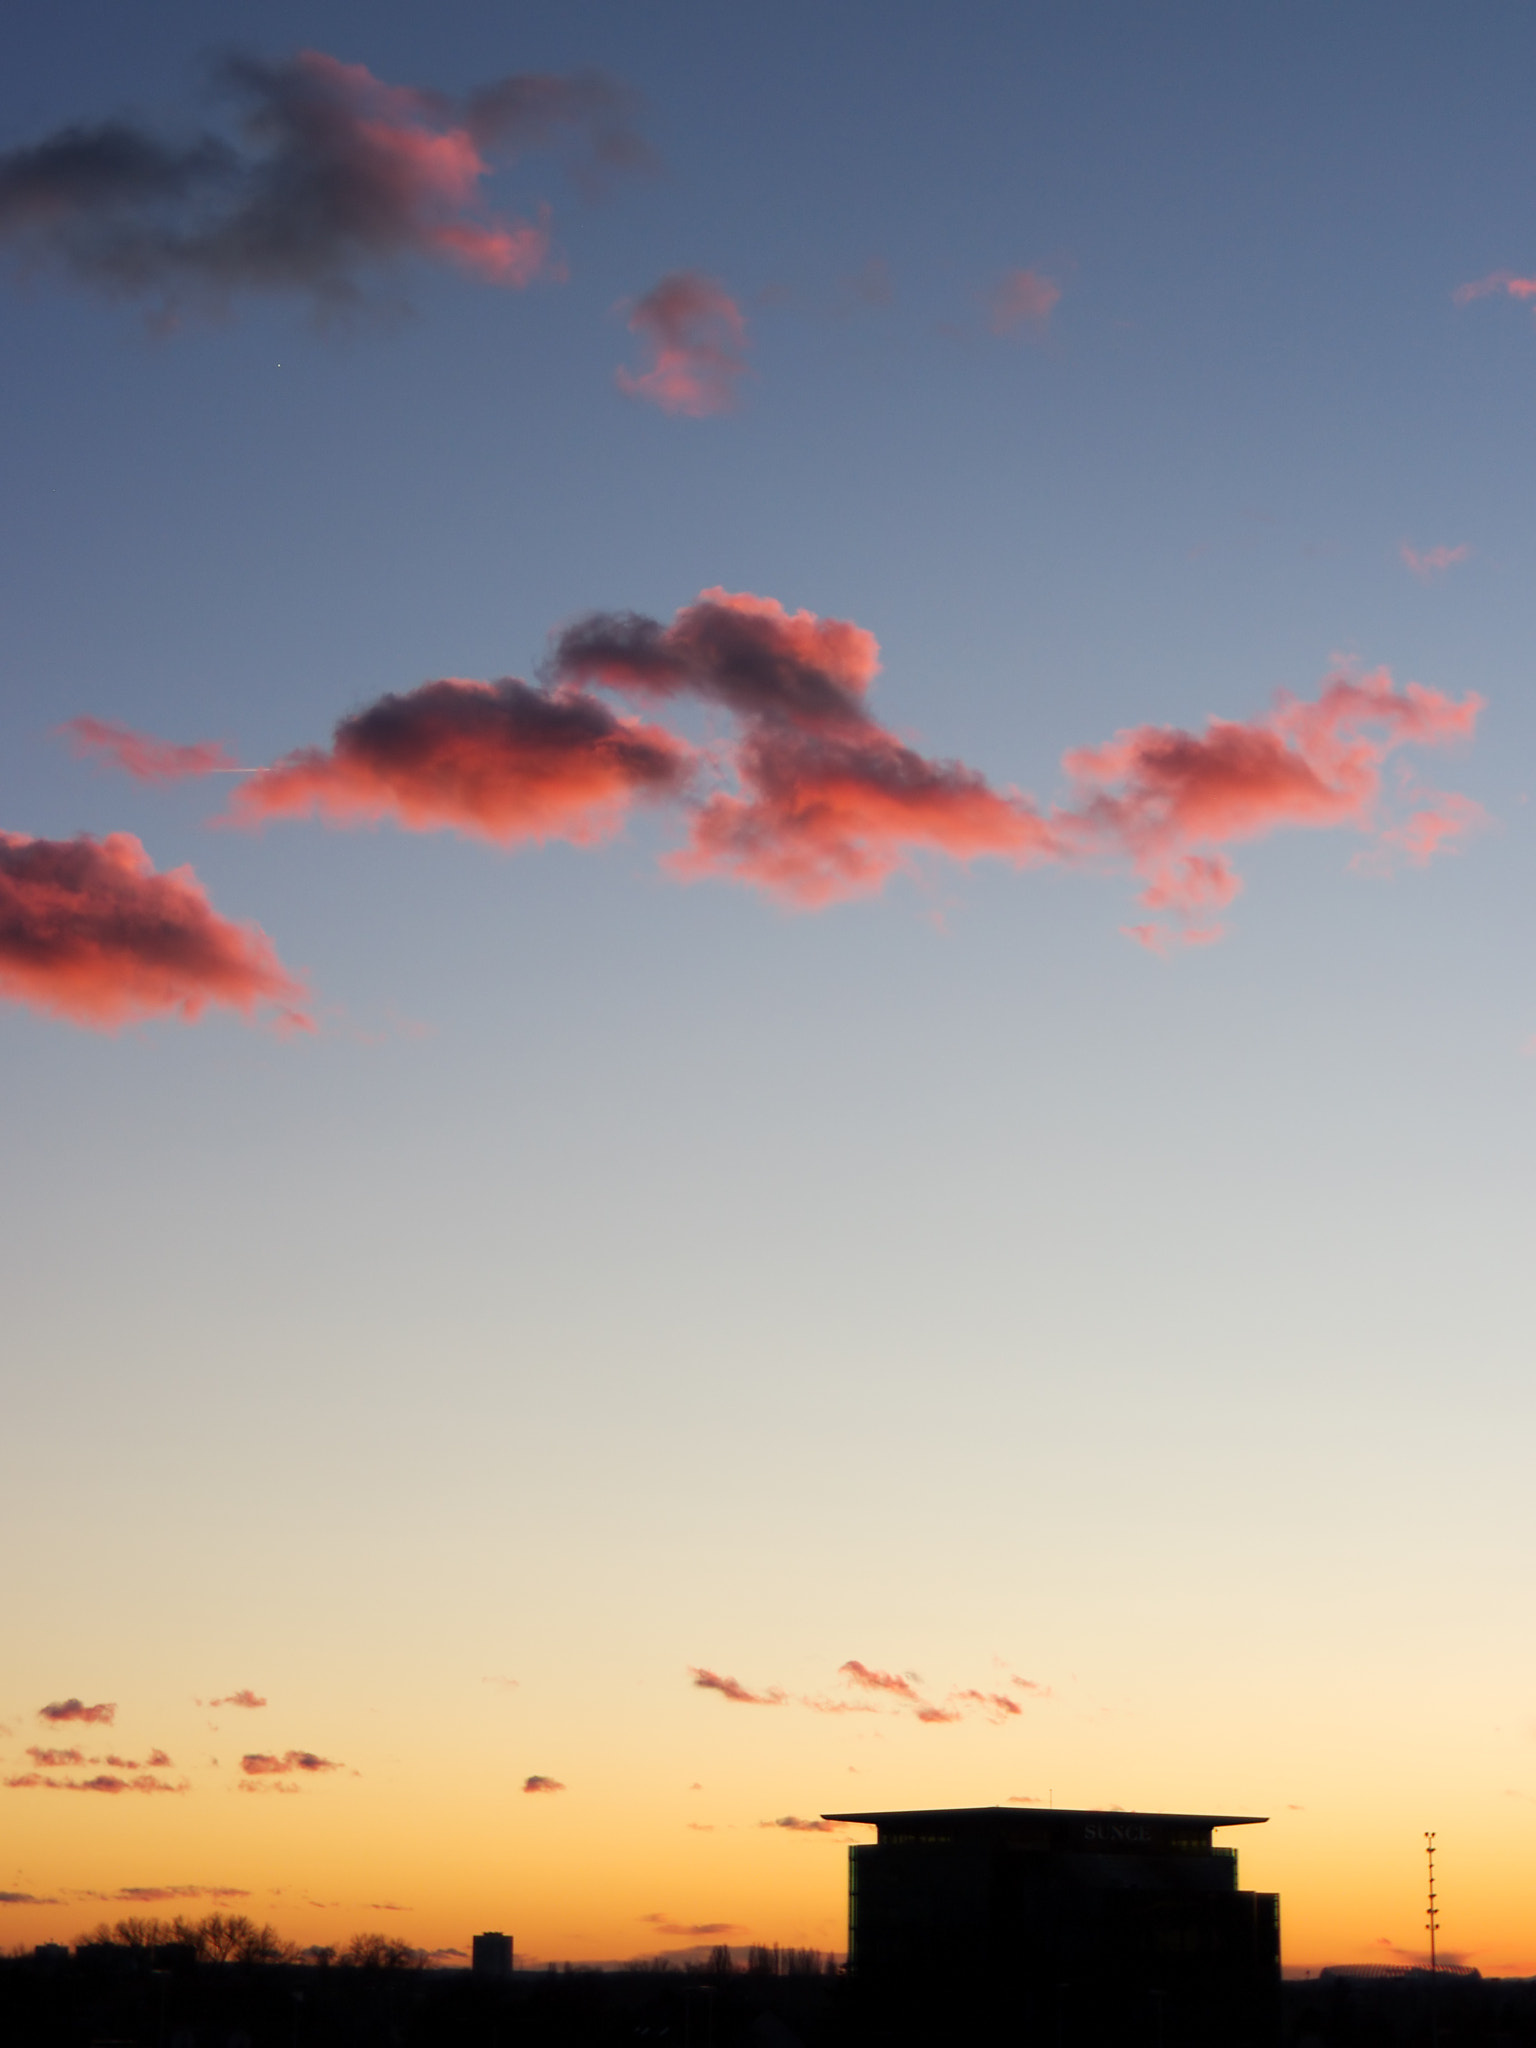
(1433, 1922)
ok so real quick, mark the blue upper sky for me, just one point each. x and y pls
(587, 1153)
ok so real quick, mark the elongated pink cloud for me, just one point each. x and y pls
(538, 1783)
(1496, 281)
(54, 1759)
(104, 1711)
(146, 759)
(733, 1689)
(160, 1894)
(795, 1826)
(938, 1717)
(305, 1760)
(996, 1705)
(695, 335)
(330, 176)
(665, 1924)
(1427, 563)
(827, 802)
(90, 932)
(244, 1698)
(878, 1681)
(1023, 303)
(501, 761)
(105, 1782)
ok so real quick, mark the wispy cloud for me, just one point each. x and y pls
(1496, 281)
(146, 759)
(733, 1689)
(1428, 563)
(797, 1826)
(106, 1782)
(1022, 303)
(695, 336)
(26, 1899)
(55, 1759)
(244, 1698)
(326, 176)
(163, 1894)
(879, 1681)
(91, 933)
(665, 1924)
(996, 1705)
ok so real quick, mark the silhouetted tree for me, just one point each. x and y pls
(379, 1952)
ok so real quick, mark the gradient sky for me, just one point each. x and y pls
(634, 1275)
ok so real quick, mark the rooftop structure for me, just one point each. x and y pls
(1063, 1926)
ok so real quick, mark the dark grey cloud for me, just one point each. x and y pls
(321, 175)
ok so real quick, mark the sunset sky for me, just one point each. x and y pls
(766, 997)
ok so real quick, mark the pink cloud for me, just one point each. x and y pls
(144, 758)
(1024, 300)
(696, 336)
(878, 1681)
(71, 1709)
(1162, 799)
(159, 1894)
(827, 802)
(803, 1827)
(665, 1924)
(733, 1689)
(55, 1759)
(305, 1760)
(540, 1784)
(244, 1698)
(103, 1782)
(996, 1705)
(1496, 281)
(498, 761)
(1431, 562)
(938, 1717)
(90, 932)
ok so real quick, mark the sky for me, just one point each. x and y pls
(766, 1012)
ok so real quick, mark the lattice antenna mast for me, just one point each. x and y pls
(1433, 1922)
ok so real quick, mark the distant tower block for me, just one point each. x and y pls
(492, 1955)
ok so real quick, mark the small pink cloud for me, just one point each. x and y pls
(696, 335)
(1496, 281)
(1022, 302)
(733, 1689)
(539, 1784)
(77, 1710)
(144, 758)
(1427, 563)
(305, 1760)
(244, 1698)
(797, 1826)
(878, 1681)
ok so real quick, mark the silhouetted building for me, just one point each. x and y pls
(1060, 1928)
(491, 1955)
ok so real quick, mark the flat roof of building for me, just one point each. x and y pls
(981, 1816)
